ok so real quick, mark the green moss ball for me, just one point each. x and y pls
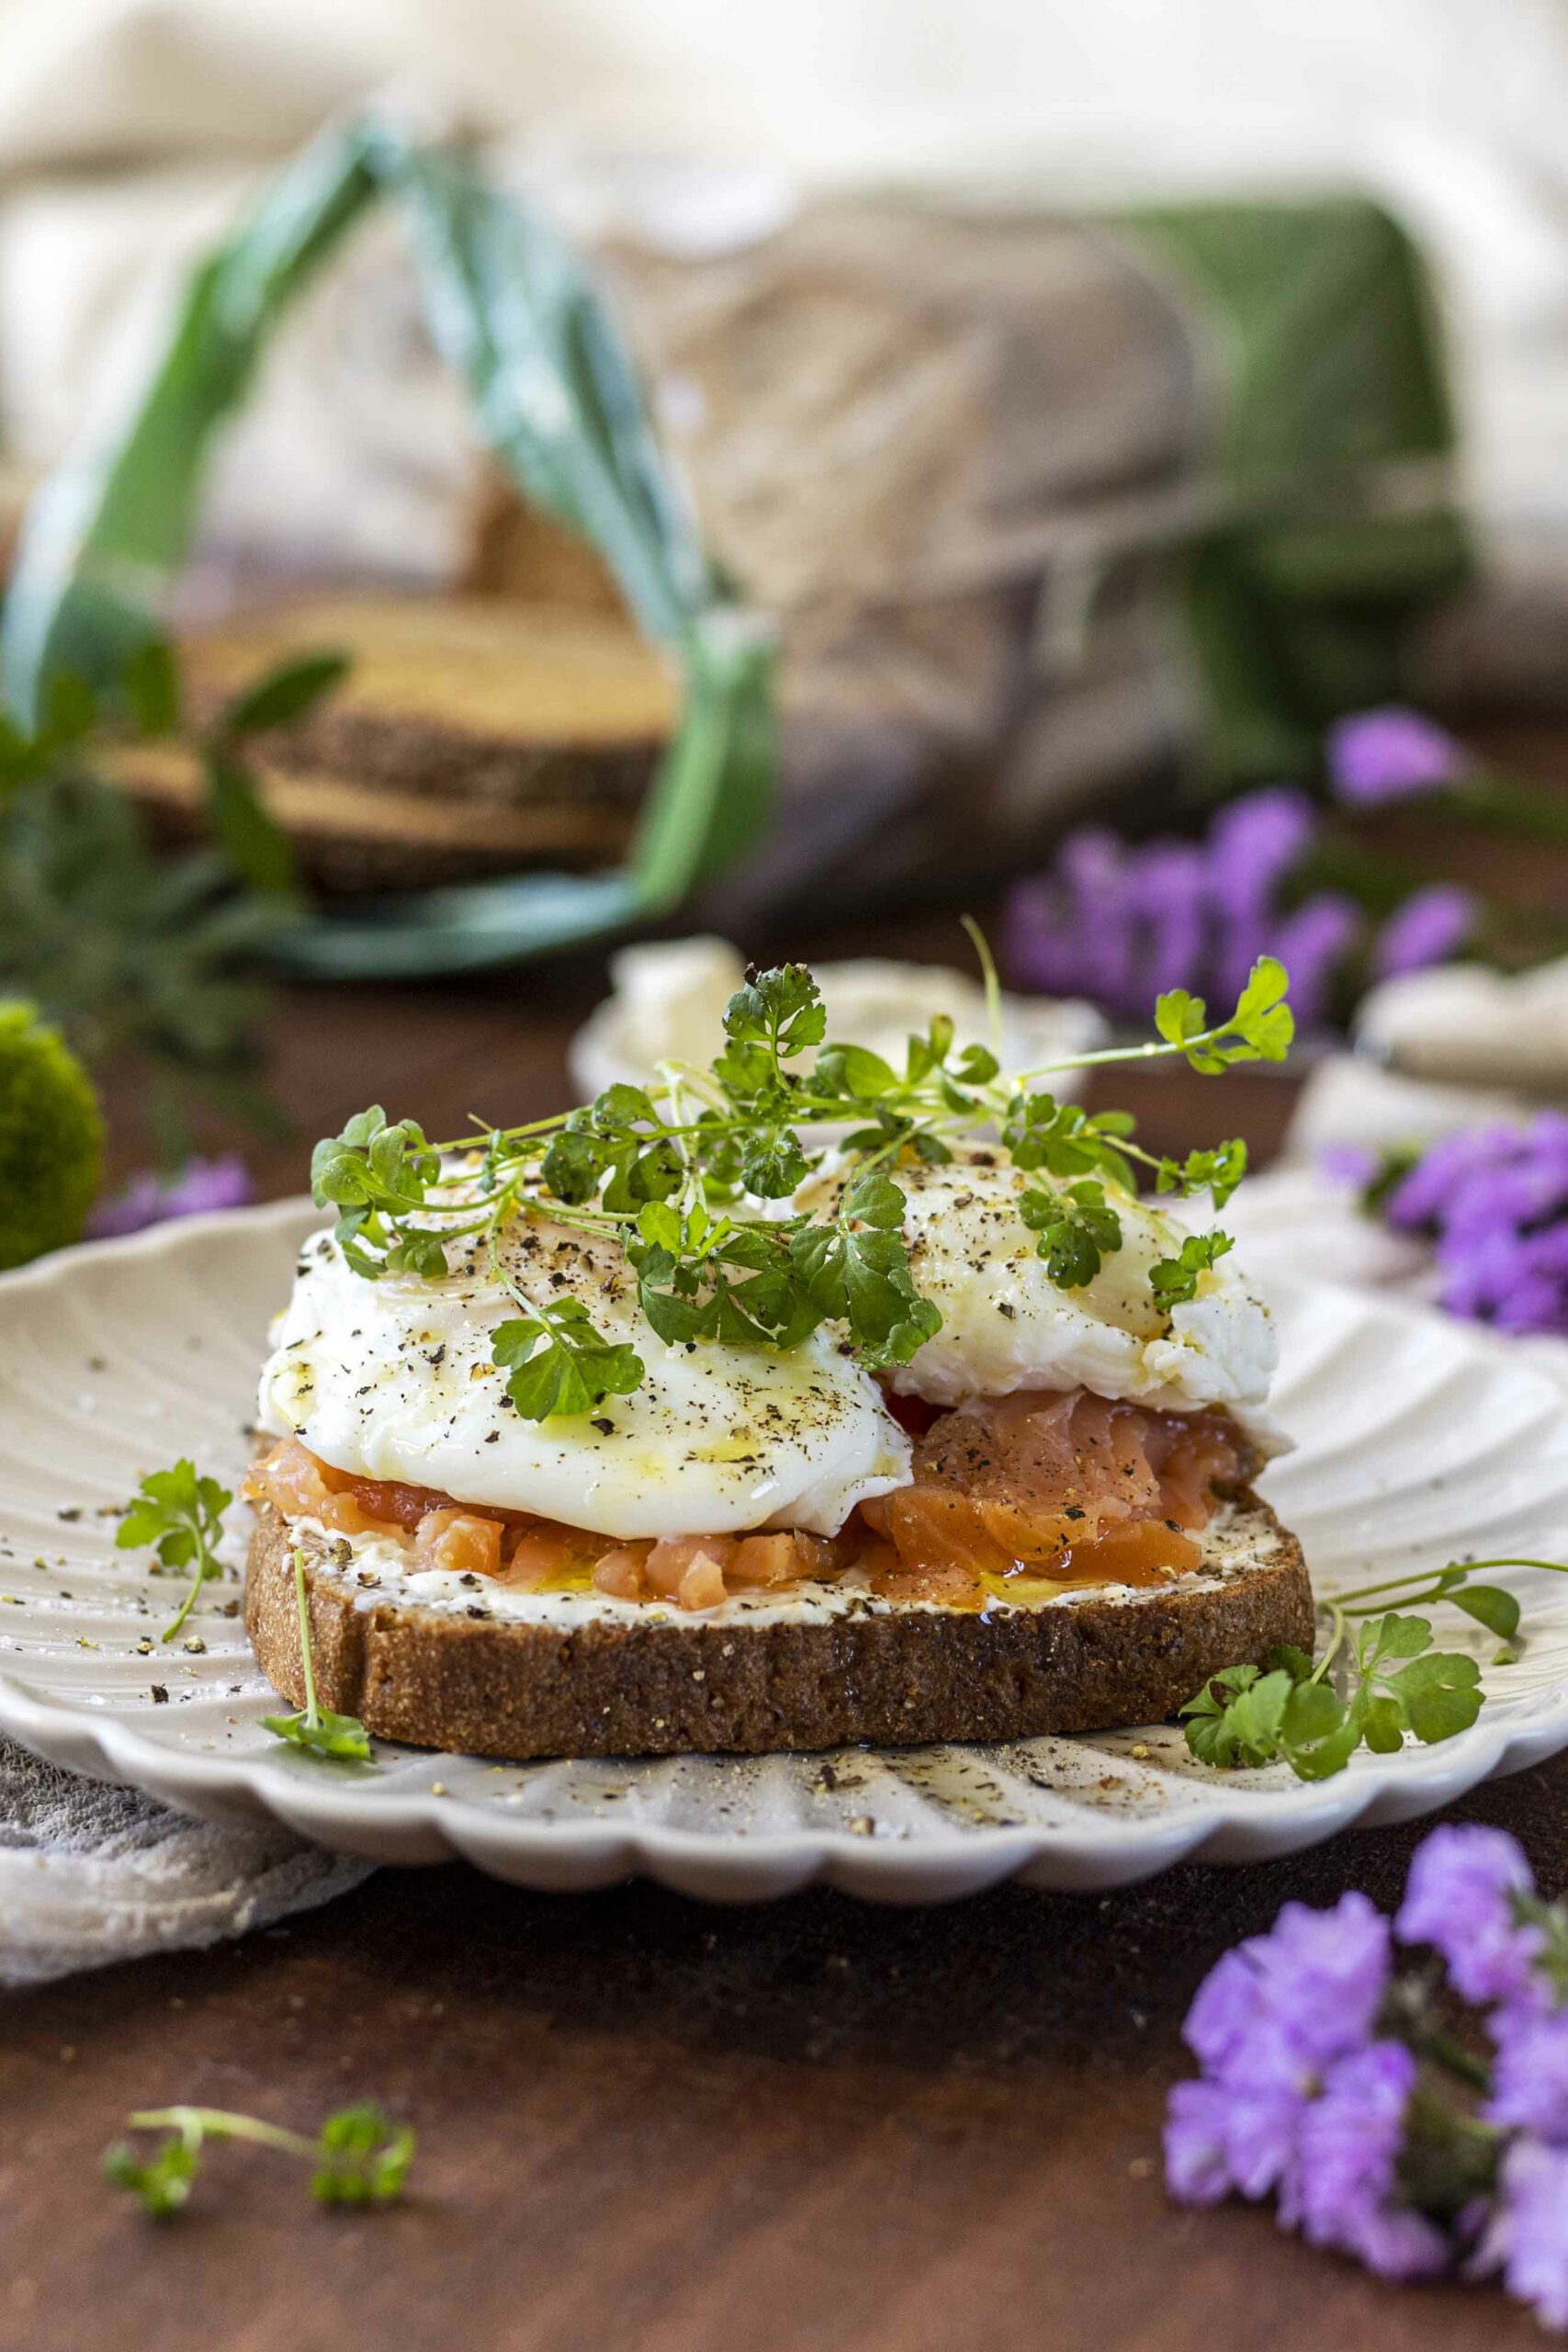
(51, 1138)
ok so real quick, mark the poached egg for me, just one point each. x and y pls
(1006, 1326)
(393, 1380)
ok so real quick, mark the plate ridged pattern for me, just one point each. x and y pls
(1418, 1439)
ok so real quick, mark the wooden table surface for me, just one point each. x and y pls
(814, 2126)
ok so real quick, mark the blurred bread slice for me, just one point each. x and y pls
(473, 735)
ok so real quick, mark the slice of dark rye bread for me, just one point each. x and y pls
(460, 1677)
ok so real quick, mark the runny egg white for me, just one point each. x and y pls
(393, 1379)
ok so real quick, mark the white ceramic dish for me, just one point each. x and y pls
(1419, 1440)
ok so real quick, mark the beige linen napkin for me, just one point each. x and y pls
(91, 1874)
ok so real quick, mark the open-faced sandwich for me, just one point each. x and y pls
(659, 1428)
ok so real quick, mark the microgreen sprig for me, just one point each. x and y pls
(181, 1517)
(672, 1174)
(1378, 1680)
(1172, 1280)
(360, 2156)
(314, 1727)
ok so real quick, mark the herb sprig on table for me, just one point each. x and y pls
(180, 1515)
(673, 1174)
(1379, 1679)
(360, 2156)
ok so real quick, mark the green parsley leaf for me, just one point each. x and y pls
(1172, 1280)
(365, 2158)
(1318, 1733)
(924, 1054)
(1293, 1715)
(1218, 1171)
(773, 1164)
(374, 1165)
(181, 1517)
(377, 1175)
(1260, 1029)
(324, 1734)
(735, 1284)
(780, 1011)
(1179, 1016)
(662, 1226)
(1491, 1606)
(1077, 1230)
(856, 1270)
(575, 1162)
(854, 1070)
(1391, 1636)
(637, 1176)
(1065, 1141)
(621, 1106)
(1236, 1719)
(977, 1066)
(1381, 1718)
(1439, 1695)
(1262, 1021)
(560, 1365)
(161, 2183)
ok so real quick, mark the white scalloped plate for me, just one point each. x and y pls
(1419, 1440)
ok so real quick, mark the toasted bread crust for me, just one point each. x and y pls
(494, 1687)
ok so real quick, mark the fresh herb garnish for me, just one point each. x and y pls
(1261, 1028)
(659, 1172)
(1378, 1680)
(360, 2156)
(560, 1365)
(181, 1516)
(1077, 1230)
(1220, 1171)
(1175, 1279)
(315, 1728)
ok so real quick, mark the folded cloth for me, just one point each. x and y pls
(1353, 1099)
(91, 1874)
(1464, 1025)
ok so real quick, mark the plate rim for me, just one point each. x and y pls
(1230, 1824)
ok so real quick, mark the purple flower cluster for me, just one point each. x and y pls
(1315, 2065)
(1120, 923)
(1296, 2094)
(151, 1199)
(1378, 756)
(1459, 1899)
(1469, 1895)
(1431, 925)
(1494, 1203)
